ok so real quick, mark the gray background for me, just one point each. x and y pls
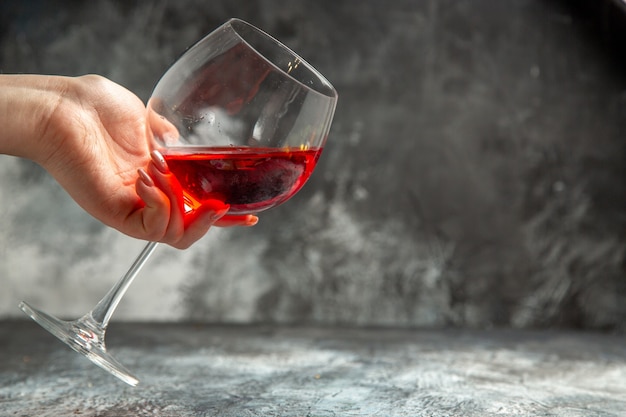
(474, 175)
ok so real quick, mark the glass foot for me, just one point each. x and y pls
(85, 337)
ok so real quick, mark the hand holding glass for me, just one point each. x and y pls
(239, 118)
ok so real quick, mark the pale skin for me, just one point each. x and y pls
(90, 134)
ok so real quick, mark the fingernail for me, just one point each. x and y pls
(252, 220)
(159, 161)
(145, 177)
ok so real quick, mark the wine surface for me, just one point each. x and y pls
(249, 179)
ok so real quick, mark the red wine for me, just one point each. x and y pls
(249, 179)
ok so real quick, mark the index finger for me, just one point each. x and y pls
(237, 220)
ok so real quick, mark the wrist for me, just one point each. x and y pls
(27, 107)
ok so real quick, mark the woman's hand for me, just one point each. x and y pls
(90, 134)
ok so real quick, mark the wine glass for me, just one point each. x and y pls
(239, 118)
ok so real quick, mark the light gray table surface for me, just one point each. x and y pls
(210, 370)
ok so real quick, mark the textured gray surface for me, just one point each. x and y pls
(474, 174)
(188, 370)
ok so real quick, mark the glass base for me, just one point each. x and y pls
(85, 337)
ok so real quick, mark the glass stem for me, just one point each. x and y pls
(101, 314)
